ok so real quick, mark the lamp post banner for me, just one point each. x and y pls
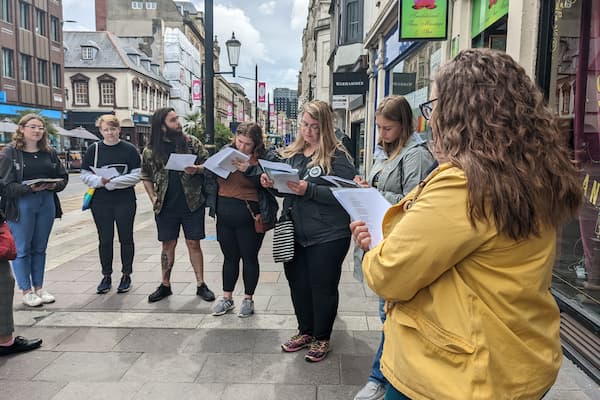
(197, 90)
(262, 90)
(229, 112)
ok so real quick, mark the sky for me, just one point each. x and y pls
(270, 32)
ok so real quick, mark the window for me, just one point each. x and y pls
(26, 73)
(80, 93)
(136, 95)
(42, 72)
(6, 10)
(137, 5)
(87, 53)
(144, 98)
(352, 21)
(56, 76)
(24, 15)
(40, 22)
(8, 63)
(54, 29)
(107, 93)
(151, 5)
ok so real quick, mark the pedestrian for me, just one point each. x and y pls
(466, 261)
(114, 198)
(31, 208)
(237, 200)
(402, 162)
(176, 196)
(322, 237)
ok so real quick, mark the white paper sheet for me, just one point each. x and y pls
(222, 162)
(365, 204)
(280, 174)
(41, 180)
(340, 182)
(178, 162)
(107, 173)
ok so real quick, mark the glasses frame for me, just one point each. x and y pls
(426, 109)
(35, 127)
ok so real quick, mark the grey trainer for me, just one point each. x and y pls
(247, 308)
(222, 306)
(371, 391)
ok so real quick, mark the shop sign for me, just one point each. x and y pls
(403, 82)
(349, 83)
(423, 20)
(339, 102)
(485, 13)
(2, 97)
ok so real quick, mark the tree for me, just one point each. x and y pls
(47, 122)
(194, 124)
(223, 135)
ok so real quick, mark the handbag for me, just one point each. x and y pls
(283, 238)
(259, 223)
(8, 248)
(87, 196)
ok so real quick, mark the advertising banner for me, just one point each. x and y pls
(197, 90)
(262, 92)
(423, 20)
(485, 13)
(229, 112)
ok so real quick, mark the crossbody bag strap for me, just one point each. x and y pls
(250, 209)
(96, 156)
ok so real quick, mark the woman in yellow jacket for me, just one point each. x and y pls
(466, 260)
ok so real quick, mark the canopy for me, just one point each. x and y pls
(7, 126)
(80, 132)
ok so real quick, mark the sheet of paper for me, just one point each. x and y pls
(222, 162)
(178, 162)
(107, 173)
(30, 182)
(280, 173)
(279, 166)
(365, 204)
(340, 182)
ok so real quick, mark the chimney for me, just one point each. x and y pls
(101, 14)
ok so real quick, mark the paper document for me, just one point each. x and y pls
(178, 162)
(365, 204)
(340, 182)
(280, 174)
(107, 173)
(222, 162)
(30, 182)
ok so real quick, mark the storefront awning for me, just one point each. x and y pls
(78, 132)
(7, 126)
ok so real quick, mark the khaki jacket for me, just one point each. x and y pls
(469, 312)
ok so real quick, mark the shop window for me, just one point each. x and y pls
(24, 21)
(8, 63)
(6, 10)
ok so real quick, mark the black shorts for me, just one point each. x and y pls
(169, 222)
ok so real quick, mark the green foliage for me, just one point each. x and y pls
(194, 125)
(49, 127)
(223, 135)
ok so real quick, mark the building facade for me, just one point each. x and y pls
(286, 100)
(32, 62)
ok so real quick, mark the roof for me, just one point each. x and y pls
(112, 53)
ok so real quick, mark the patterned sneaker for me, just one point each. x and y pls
(222, 306)
(247, 308)
(296, 343)
(318, 351)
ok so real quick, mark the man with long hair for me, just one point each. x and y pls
(177, 198)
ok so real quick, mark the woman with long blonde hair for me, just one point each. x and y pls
(466, 261)
(322, 237)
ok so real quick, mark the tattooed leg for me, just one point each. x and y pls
(167, 260)
(196, 259)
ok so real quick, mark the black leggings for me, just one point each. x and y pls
(314, 276)
(105, 215)
(238, 240)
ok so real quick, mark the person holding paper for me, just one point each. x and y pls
(31, 209)
(177, 198)
(402, 161)
(466, 262)
(237, 201)
(322, 237)
(112, 167)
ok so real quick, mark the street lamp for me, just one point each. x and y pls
(233, 53)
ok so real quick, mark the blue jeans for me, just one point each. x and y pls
(376, 375)
(31, 233)
(393, 394)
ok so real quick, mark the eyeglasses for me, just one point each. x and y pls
(313, 127)
(35, 127)
(426, 109)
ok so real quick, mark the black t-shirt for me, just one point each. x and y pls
(122, 156)
(37, 165)
(175, 197)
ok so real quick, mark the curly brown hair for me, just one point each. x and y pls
(19, 139)
(490, 120)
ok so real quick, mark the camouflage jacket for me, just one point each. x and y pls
(154, 171)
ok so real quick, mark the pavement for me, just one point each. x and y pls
(119, 346)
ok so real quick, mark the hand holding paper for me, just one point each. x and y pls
(280, 174)
(178, 162)
(222, 163)
(107, 173)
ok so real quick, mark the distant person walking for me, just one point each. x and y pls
(31, 208)
(177, 198)
(236, 201)
(322, 237)
(114, 199)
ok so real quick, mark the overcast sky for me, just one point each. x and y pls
(270, 32)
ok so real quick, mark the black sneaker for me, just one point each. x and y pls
(104, 285)
(125, 284)
(160, 293)
(204, 292)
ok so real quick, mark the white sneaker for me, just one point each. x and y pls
(45, 296)
(371, 391)
(32, 300)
